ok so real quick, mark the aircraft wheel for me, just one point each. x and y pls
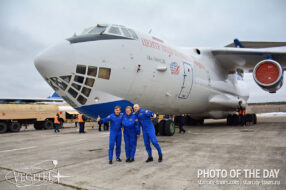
(14, 127)
(169, 128)
(3, 127)
(48, 124)
(161, 127)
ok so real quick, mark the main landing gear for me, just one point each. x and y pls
(234, 119)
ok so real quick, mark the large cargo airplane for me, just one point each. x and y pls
(109, 65)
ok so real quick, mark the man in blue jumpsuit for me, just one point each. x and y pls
(131, 130)
(144, 118)
(115, 132)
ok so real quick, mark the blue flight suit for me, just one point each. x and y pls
(144, 118)
(131, 130)
(115, 133)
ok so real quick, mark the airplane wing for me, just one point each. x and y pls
(265, 62)
(54, 98)
(29, 100)
(247, 58)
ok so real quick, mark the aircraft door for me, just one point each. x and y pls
(187, 81)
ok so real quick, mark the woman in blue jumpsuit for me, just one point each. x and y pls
(115, 132)
(131, 130)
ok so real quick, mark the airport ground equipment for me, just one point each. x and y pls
(15, 115)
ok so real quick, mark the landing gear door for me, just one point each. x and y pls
(187, 82)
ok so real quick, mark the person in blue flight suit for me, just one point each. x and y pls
(131, 130)
(144, 118)
(115, 132)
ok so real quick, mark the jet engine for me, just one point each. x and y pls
(268, 74)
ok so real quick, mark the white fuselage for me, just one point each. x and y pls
(145, 71)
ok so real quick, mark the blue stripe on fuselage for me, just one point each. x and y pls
(103, 109)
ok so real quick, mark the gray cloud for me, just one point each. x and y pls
(29, 26)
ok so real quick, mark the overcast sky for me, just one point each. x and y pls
(29, 26)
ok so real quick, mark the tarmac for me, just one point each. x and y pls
(213, 147)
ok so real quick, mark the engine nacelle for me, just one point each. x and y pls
(268, 74)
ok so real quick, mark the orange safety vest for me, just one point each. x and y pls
(242, 111)
(80, 120)
(56, 120)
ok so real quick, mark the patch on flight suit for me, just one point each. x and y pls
(108, 116)
(141, 114)
(136, 119)
(146, 111)
(130, 119)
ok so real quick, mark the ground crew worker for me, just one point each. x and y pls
(81, 121)
(182, 122)
(131, 130)
(144, 118)
(99, 125)
(115, 132)
(57, 123)
(241, 111)
(105, 126)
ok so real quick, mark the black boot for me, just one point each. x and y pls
(160, 158)
(128, 160)
(110, 161)
(118, 160)
(131, 160)
(150, 159)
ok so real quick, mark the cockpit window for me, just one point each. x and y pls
(104, 32)
(114, 30)
(99, 29)
(133, 33)
(126, 33)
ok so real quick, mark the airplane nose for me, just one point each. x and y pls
(55, 60)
